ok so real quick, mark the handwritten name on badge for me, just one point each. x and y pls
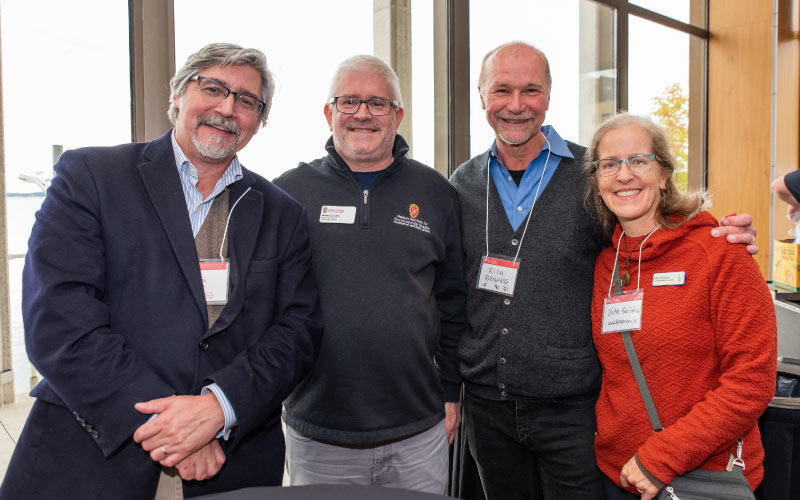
(498, 275)
(623, 313)
(330, 214)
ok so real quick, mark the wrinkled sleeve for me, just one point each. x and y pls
(451, 300)
(67, 324)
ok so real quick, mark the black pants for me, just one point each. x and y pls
(614, 492)
(534, 449)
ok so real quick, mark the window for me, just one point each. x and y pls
(578, 38)
(65, 84)
(304, 42)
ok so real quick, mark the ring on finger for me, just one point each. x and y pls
(164, 451)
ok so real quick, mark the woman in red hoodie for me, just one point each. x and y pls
(705, 334)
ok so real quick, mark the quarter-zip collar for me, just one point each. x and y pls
(399, 151)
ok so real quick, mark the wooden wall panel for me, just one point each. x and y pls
(740, 112)
(787, 121)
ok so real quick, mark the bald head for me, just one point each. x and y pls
(519, 50)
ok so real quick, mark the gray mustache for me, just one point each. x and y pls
(220, 123)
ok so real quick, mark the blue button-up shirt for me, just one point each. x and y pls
(518, 200)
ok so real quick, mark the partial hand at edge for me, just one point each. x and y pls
(452, 420)
(631, 475)
(202, 464)
(738, 229)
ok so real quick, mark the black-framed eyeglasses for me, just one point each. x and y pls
(217, 91)
(377, 106)
(638, 164)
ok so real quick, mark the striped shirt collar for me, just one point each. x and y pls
(198, 207)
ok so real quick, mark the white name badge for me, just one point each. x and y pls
(330, 214)
(215, 274)
(498, 275)
(624, 312)
(669, 279)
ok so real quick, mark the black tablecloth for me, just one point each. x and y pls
(323, 492)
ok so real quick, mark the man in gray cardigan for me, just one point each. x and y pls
(530, 370)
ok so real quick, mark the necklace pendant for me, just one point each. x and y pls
(626, 278)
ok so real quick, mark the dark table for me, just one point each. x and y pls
(323, 492)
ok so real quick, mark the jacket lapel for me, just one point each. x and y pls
(243, 232)
(160, 177)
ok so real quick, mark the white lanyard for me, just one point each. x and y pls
(535, 197)
(624, 312)
(227, 222)
(638, 269)
(215, 273)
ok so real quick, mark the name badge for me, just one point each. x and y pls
(215, 274)
(330, 214)
(624, 312)
(498, 275)
(669, 279)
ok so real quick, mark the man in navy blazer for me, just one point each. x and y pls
(160, 365)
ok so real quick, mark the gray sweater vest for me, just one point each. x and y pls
(538, 343)
(209, 239)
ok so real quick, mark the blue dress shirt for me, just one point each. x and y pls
(518, 200)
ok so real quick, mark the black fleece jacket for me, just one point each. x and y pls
(393, 299)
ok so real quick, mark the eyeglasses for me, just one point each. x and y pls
(638, 164)
(214, 90)
(377, 106)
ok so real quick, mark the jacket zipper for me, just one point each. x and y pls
(365, 209)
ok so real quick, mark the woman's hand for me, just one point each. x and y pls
(631, 475)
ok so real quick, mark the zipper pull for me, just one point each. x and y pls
(366, 195)
(671, 493)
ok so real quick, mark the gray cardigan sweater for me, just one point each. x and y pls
(537, 343)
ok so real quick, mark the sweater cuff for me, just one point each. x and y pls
(658, 484)
(452, 392)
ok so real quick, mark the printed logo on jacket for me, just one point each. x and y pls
(411, 220)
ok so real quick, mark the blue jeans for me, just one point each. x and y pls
(531, 449)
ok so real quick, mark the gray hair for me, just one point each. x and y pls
(222, 54)
(367, 64)
(494, 51)
(674, 208)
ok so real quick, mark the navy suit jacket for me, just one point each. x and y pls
(115, 314)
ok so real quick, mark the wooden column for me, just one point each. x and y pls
(787, 105)
(740, 112)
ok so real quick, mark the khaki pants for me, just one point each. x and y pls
(170, 486)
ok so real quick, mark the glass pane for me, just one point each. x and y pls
(77, 95)
(303, 47)
(686, 11)
(422, 113)
(670, 91)
(581, 60)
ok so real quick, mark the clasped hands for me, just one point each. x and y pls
(183, 435)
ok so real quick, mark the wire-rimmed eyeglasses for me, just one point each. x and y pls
(377, 106)
(638, 164)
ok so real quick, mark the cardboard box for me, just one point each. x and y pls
(786, 265)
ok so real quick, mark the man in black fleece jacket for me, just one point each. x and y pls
(382, 400)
